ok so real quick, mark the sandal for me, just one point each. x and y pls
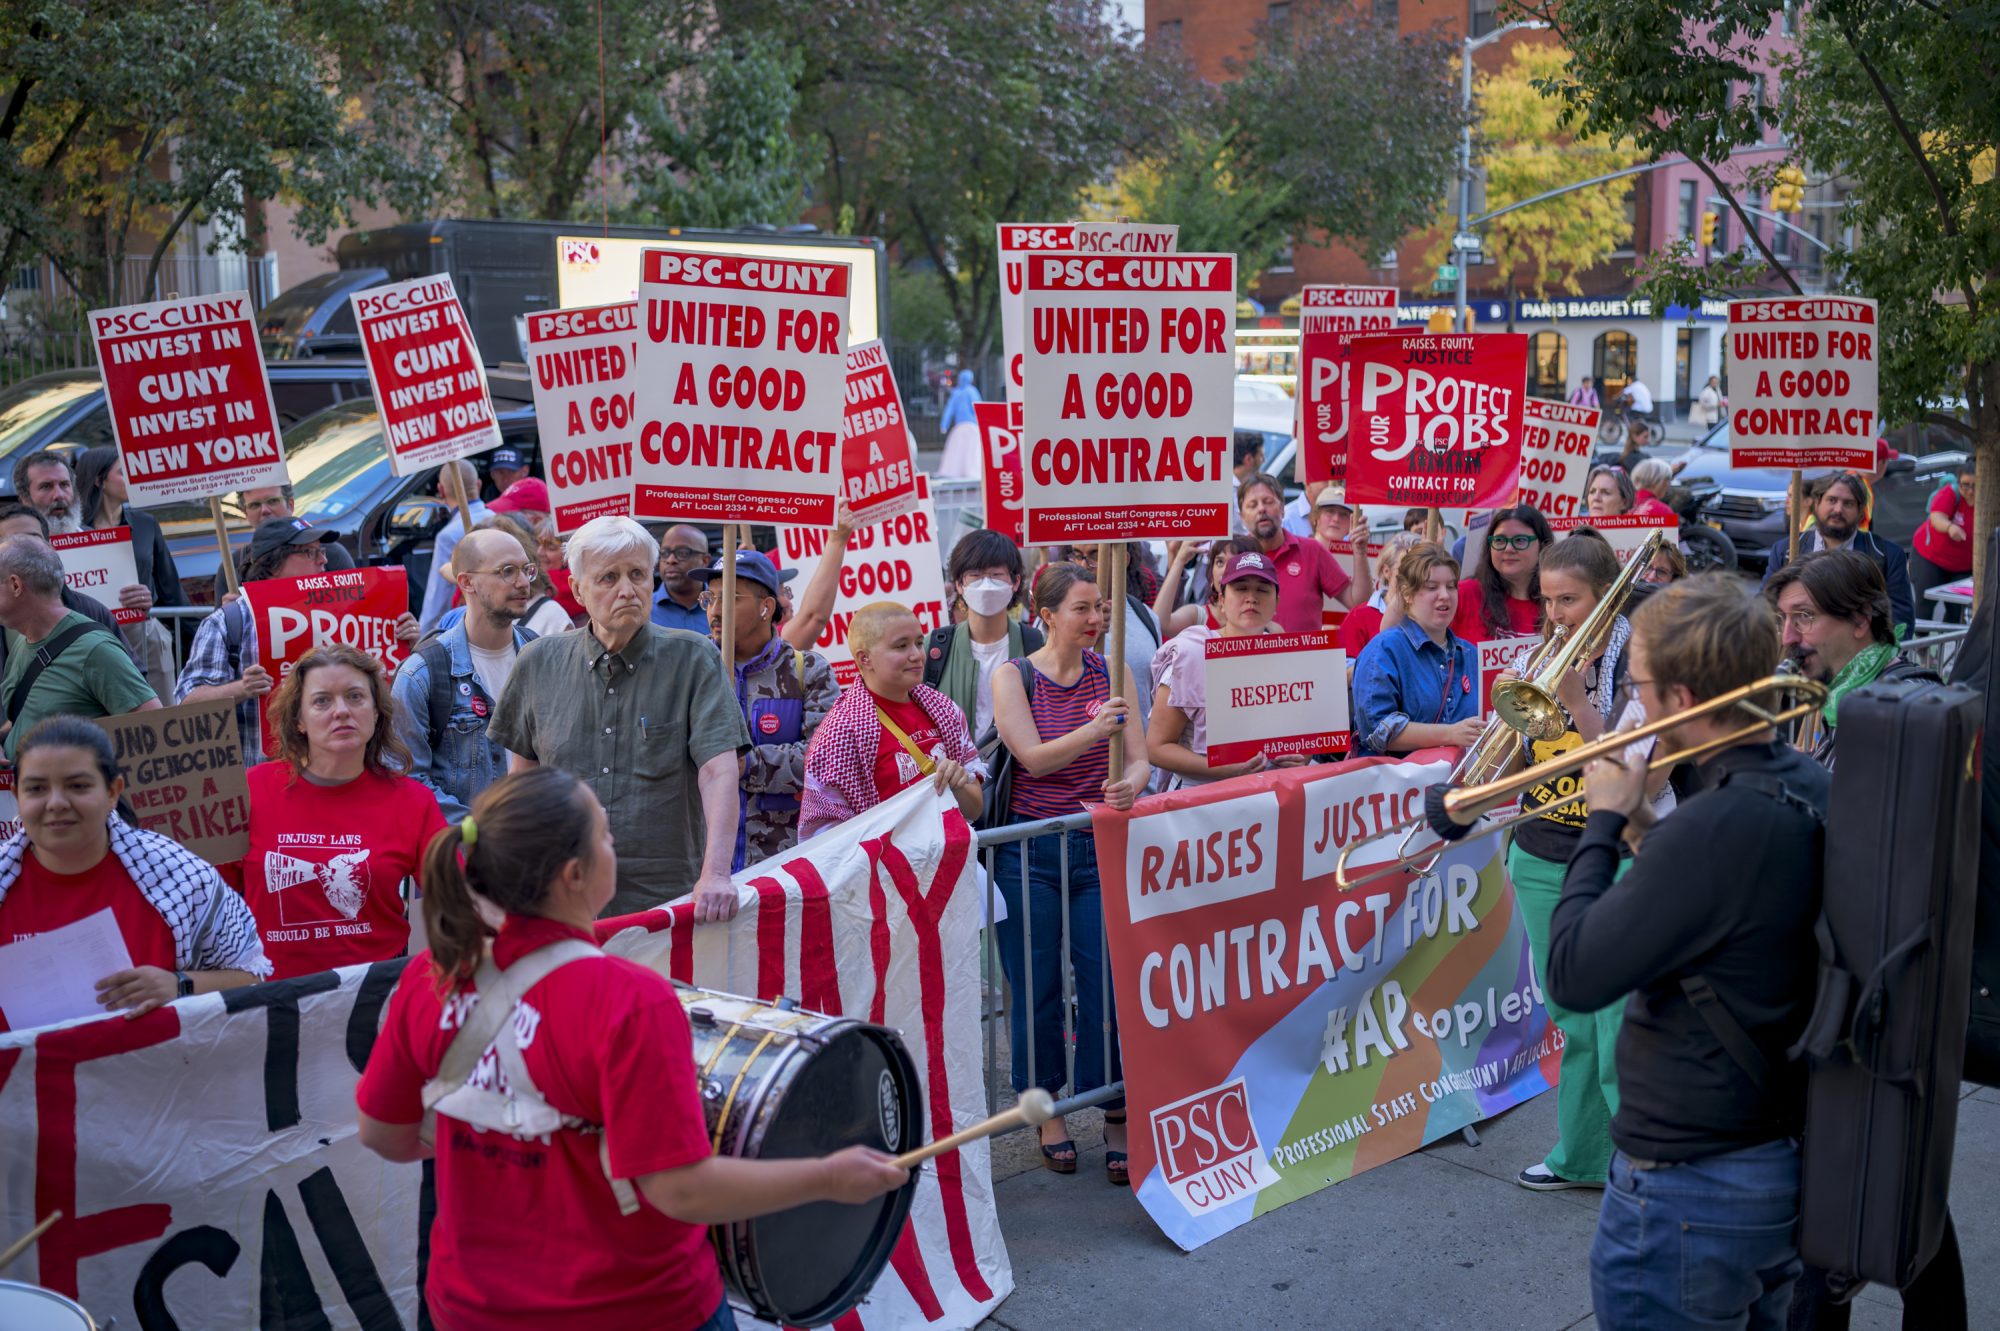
(1115, 1167)
(1060, 1157)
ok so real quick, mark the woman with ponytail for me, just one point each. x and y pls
(577, 1195)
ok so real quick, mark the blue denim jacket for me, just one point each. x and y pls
(465, 761)
(1402, 676)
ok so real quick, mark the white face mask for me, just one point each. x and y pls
(987, 596)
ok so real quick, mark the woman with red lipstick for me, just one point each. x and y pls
(334, 829)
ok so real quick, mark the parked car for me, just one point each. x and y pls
(316, 318)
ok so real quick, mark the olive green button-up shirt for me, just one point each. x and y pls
(636, 727)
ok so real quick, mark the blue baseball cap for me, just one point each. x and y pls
(507, 457)
(754, 565)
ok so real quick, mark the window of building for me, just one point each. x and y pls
(1614, 359)
(1169, 32)
(1278, 19)
(1627, 245)
(1721, 245)
(1388, 13)
(1283, 261)
(1782, 241)
(1789, 22)
(1548, 365)
(1480, 19)
(1690, 210)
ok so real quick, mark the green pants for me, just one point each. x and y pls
(1587, 1092)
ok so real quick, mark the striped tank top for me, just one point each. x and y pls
(1058, 711)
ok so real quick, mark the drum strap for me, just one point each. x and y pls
(519, 1110)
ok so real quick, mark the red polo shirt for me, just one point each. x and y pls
(1307, 575)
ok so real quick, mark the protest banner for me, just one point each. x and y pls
(582, 366)
(1802, 379)
(183, 770)
(99, 563)
(430, 385)
(190, 407)
(1495, 656)
(897, 560)
(878, 468)
(1330, 318)
(1278, 1036)
(1436, 419)
(742, 367)
(1556, 439)
(273, 1214)
(357, 608)
(1625, 533)
(1275, 694)
(1000, 480)
(1128, 433)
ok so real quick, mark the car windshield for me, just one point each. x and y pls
(27, 407)
(1260, 390)
(336, 458)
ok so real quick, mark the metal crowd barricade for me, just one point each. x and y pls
(181, 622)
(992, 1015)
(1936, 645)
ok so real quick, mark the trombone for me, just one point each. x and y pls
(1465, 807)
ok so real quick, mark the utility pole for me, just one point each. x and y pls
(1459, 253)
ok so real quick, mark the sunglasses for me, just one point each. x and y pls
(1499, 542)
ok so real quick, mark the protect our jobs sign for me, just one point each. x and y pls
(1330, 318)
(99, 563)
(582, 365)
(190, 406)
(1803, 382)
(1436, 420)
(742, 369)
(878, 469)
(1277, 695)
(430, 386)
(894, 560)
(1000, 481)
(1131, 372)
(1556, 439)
(356, 608)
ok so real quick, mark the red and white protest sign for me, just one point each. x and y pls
(1128, 433)
(1124, 237)
(1017, 241)
(878, 469)
(100, 564)
(1556, 439)
(743, 362)
(1332, 613)
(1802, 378)
(356, 608)
(1625, 533)
(1497, 655)
(430, 386)
(896, 560)
(1276, 695)
(1000, 467)
(190, 407)
(1436, 419)
(582, 363)
(1330, 318)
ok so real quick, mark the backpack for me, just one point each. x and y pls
(437, 660)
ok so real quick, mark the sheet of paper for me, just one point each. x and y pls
(53, 976)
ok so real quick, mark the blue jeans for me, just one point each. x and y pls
(724, 1319)
(1709, 1243)
(1041, 917)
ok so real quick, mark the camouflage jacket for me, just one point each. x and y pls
(784, 694)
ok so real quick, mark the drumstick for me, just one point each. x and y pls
(1036, 1106)
(21, 1245)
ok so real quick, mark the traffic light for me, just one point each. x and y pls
(1789, 194)
(1708, 221)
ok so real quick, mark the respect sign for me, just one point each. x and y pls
(1280, 1036)
(99, 563)
(430, 386)
(1275, 695)
(1803, 376)
(1127, 435)
(742, 368)
(896, 560)
(1556, 439)
(1000, 482)
(190, 407)
(183, 770)
(878, 471)
(581, 363)
(1436, 419)
(1626, 533)
(1330, 317)
(356, 608)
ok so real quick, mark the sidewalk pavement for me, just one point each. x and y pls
(1442, 1238)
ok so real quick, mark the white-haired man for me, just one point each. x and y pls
(643, 715)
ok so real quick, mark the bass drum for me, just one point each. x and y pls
(781, 1083)
(32, 1308)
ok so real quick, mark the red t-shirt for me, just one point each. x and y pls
(1523, 617)
(1362, 624)
(41, 900)
(1949, 555)
(1649, 505)
(894, 767)
(326, 866)
(528, 1234)
(1307, 575)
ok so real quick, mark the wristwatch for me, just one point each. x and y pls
(183, 984)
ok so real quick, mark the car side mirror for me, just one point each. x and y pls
(418, 518)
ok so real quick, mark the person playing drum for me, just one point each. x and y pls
(574, 1174)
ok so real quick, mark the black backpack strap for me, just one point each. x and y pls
(1722, 1023)
(45, 656)
(437, 660)
(234, 627)
(1774, 787)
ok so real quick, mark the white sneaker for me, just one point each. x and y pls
(1540, 1178)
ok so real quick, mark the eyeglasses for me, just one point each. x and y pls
(684, 554)
(1499, 542)
(1802, 620)
(512, 572)
(709, 600)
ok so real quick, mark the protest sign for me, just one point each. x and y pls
(357, 608)
(1802, 380)
(1332, 613)
(1626, 532)
(273, 1214)
(1321, 417)
(183, 770)
(1495, 656)
(1276, 695)
(1279, 1037)
(878, 468)
(742, 367)
(1436, 419)
(1128, 433)
(190, 407)
(1556, 439)
(1000, 480)
(1018, 240)
(430, 385)
(896, 561)
(10, 810)
(582, 365)
(1124, 237)
(98, 563)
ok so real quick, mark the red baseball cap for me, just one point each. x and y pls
(1248, 564)
(526, 495)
